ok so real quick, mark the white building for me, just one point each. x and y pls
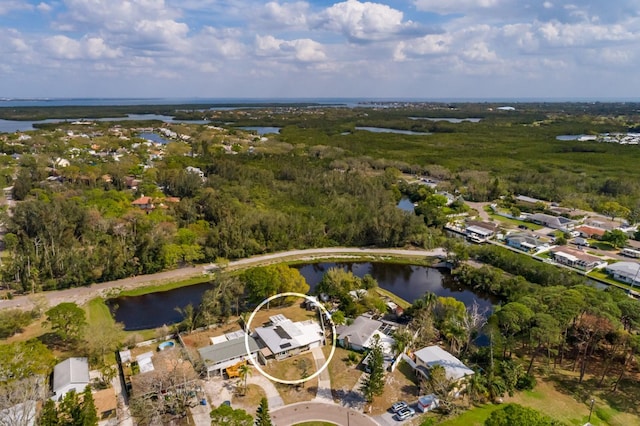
(70, 374)
(627, 272)
(285, 338)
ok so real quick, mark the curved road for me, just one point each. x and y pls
(81, 295)
(309, 411)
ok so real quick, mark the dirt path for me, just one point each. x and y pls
(82, 295)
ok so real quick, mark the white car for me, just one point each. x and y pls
(405, 413)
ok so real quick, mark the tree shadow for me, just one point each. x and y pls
(348, 397)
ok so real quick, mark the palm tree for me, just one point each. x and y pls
(402, 341)
(476, 387)
(245, 372)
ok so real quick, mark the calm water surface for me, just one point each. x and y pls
(262, 130)
(407, 281)
(385, 130)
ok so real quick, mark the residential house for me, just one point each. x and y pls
(480, 231)
(285, 338)
(590, 232)
(626, 272)
(226, 351)
(554, 222)
(144, 203)
(358, 335)
(526, 242)
(427, 358)
(529, 201)
(70, 374)
(576, 259)
(608, 225)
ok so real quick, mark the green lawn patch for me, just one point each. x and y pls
(602, 276)
(474, 417)
(98, 312)
(516, 222)
(396, 299)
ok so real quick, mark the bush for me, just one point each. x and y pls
(526, 382)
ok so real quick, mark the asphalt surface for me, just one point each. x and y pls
(82, 295)
(316, 411)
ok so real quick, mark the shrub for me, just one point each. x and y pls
(526, 382)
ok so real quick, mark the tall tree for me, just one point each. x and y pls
(245, 372)
(67, 320)
(373, 384)
(226, 415)
(262, 414)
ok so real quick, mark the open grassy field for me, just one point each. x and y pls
(292, 369)
(139, 291)
(344, 375)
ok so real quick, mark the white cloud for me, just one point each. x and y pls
(44, 7)
(63, 47)
(302, 50)
(8, 6)
(364, 21)
(293, 15)
(454, 6)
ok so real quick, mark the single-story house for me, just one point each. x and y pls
(590, 231)
(427, 358)
(553, 222)
(606, 224)
(478, 233)
(285, 338)
(576, 258)
(144, 203)
(627, 272)
(70, 374)
(529, 200)
(217, 357)
(525, 242)
(359, 334)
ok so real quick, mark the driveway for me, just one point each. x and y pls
(316, 411)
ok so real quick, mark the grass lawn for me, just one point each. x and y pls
(516, 222)
(251, 399)
(294, 312)
(602, 276)
(344, 375)
(396, 299)
(601, 245)
(399, 385)
(291, 369)
(473, 417)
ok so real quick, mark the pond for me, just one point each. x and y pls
(261, 130)
(153, 137)
(406, 205)
(385, 130)
(410, 282)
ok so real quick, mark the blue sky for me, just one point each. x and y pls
(322, 48)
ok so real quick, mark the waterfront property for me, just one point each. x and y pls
(358, 335)
(626, 272)
(70, 374)
(480, 231)
(427, 358)
(226, 351)
(526, 242)
(284, 338)
(576, 259)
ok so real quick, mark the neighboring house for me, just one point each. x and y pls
(478, 233)
(195, 170)
(144, 203)
(525, 242)
(70, 374)
(553, 222)
(358, 336)
(529, 200)
(227, 352)
(427, 358)
(450, 197)
(590, 232)
(627, 272)
(608, 225)
(576, 259)
(285, 338)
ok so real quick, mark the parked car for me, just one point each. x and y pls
(399, 406)
(523, 227)
(581, 242)
(405, 413)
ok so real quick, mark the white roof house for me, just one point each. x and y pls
(285, 338)
(359, 334)
(428, 357)
(628, 272)
(72, 373)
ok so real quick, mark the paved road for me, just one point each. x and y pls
(84, 294)
(316, 411)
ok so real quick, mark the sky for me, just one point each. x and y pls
(393, 49)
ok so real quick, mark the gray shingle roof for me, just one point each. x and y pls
(228, 350)
(360, 331)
